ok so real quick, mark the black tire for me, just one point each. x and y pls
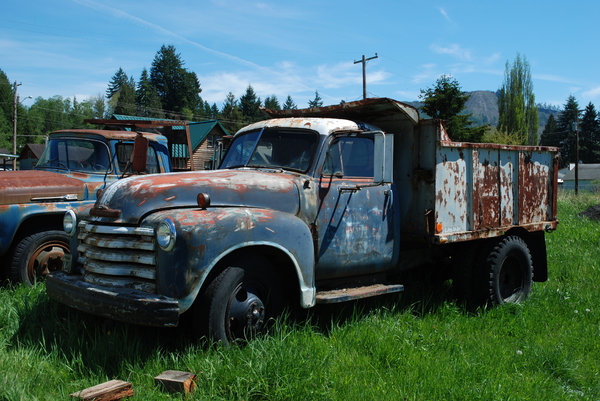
(510, 271)
(38, 254)
(239, 302)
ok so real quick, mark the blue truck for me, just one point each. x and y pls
(74, 166)
(313, 206)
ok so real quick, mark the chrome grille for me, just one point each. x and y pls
(118, 256)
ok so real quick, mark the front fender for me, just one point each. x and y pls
(13, 216)
(205, 237)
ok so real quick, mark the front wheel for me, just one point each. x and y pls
(239, 304)
(510, 271)
(37, 255)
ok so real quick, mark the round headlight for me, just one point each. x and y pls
(165, 235)
(70, 222)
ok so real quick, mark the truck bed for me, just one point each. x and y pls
(462, 191)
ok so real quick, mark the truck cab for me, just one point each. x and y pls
(75, 164)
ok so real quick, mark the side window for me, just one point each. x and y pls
(350, 157)
(124, 151)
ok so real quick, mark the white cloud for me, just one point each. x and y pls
(445, 14)
(452, 50)
(553, 78)
(592, 93)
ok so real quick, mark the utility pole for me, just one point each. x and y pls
(364, 68)
(16, 102)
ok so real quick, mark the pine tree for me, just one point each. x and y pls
(445, 101)
(316, 102)
(588, 132)
(231, 116)
(250, 104)
(6, 101)
(550, 136)
(147, 100)
(289, 104)
(518, 113)
(115, 83)
(126, 99)
(176, 87)
(566, 131)
(272, 103)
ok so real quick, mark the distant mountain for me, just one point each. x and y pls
(483, 107)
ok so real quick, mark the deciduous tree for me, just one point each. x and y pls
(518, 113)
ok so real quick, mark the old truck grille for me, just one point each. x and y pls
(118, 256)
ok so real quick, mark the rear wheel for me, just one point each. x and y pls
(510, 271)
(37, 255)
(239, 302)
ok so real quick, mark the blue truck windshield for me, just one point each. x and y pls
(273, 148)
(75, 155)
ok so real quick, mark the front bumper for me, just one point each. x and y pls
(123, 304)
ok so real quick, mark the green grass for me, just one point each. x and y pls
(384, 349)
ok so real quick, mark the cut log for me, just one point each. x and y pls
(176, 381)
(112, 390)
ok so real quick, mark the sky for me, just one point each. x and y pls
(72, 48)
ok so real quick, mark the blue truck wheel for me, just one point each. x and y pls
(37, 255)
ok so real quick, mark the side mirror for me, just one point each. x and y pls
(140, 154)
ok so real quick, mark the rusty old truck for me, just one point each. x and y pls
(73, 166)
(313, 206)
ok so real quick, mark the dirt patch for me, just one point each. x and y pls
(592, 212)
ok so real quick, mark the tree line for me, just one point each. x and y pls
(169, 90)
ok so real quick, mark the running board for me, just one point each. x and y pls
(349, 294)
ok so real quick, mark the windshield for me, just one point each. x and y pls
(76, 155)
(290, 149)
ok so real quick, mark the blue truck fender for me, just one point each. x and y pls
(206, 237)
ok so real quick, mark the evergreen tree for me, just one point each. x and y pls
(589, 148)
(214, 112)
(147, 100)
(98, 107)
(116, 82)
(272, 103)
(550, 136)
(445, 101)
(518, 113)
(250, 104)
(566, 131)
(126, 99)
(289, 104)
(176, 87)
(316, 102)
(231, 115)
(6, 101)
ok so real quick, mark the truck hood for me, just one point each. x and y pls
(25, 186)
(137, 196)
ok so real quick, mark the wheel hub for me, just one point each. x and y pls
(246, 314)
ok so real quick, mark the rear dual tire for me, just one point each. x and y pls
(496, 273)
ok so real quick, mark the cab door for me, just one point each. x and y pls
(355, 219)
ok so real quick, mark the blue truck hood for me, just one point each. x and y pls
(138, 196)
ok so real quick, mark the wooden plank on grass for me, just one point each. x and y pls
(112, 390)
(176, 381)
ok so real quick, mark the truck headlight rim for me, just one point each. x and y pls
(70, 222)
(166, 234)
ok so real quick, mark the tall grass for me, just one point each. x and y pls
(385, 349)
